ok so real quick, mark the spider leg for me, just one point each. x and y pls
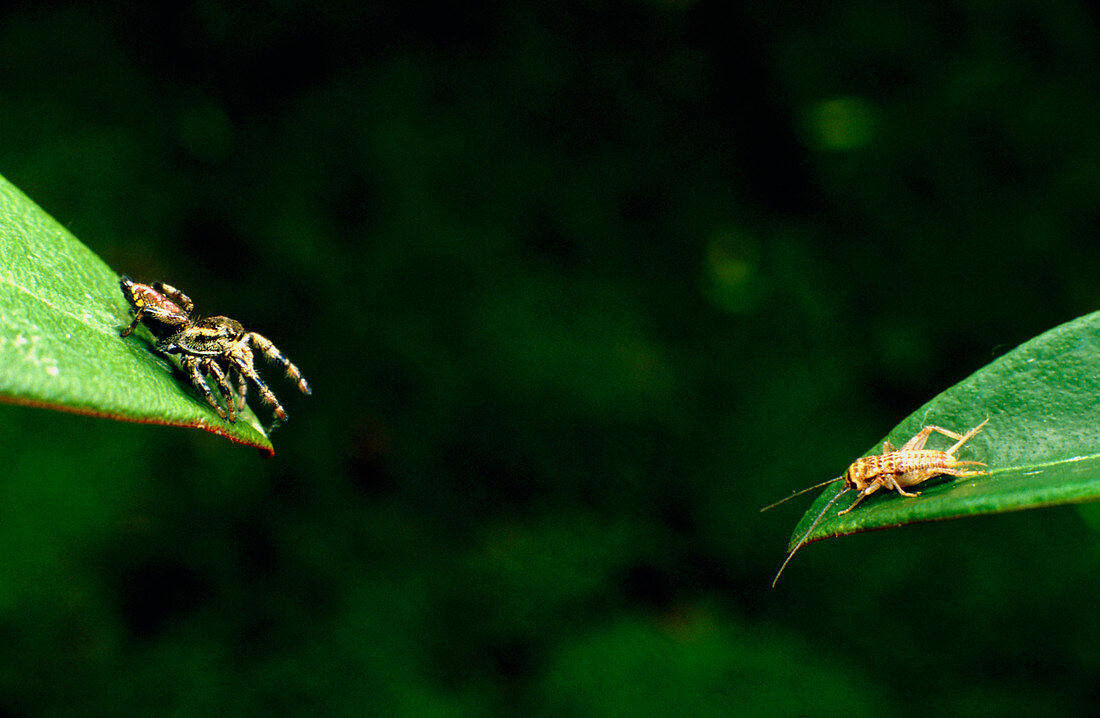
(242, 387)
(223, 383)
(137, 318)
(175, 295)
(265, 393)
(194, 366)
(264, 345)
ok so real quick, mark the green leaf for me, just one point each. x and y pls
(60, 348)
(1042, 442)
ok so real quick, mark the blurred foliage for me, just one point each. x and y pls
(579, 287)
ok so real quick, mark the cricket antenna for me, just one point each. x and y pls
(802, 541)
(799, 493)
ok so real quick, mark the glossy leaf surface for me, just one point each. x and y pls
(60, 315)
(1042, 442)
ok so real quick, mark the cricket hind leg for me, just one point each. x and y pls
(912, 478)
(960, 470)
(966, 437)
(921, 437)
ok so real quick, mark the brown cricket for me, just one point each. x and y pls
(895, 469)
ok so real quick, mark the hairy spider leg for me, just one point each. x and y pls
(142, 312)
(227, 392)
(175, 295)
(243, 361)
(133, 324)
(265, 393)
(194, 366)
(269, 350)
(242, 387)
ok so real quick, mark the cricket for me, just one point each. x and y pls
(896, 469)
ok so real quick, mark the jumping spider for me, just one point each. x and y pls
(218, 346)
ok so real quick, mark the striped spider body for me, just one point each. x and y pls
(217, 347)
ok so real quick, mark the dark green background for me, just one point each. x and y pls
(579, 287)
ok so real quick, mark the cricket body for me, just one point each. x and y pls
(896, 469)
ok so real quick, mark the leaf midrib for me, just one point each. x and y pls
(82, 319)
